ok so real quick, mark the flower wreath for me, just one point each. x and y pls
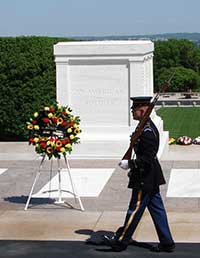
(196, 140)
(53, 130)
(184, 140)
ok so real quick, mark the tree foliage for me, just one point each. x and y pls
(27, 81)
(184, 79)
(183, 57)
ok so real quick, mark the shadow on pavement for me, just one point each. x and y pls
(23, 199)
(95, 237)
(75, 249)
(36, 202)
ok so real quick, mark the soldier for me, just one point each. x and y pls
(145, 177)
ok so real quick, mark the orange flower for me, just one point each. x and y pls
(30, 127)
(49, 150)
(58, 143)
(77, 130)
(60, 120)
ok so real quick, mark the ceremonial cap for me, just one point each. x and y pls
(140, 101)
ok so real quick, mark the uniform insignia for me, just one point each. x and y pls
(147, 129)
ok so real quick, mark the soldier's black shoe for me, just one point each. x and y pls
(163, 248)
(115, 245)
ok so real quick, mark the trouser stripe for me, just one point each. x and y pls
(139, 197)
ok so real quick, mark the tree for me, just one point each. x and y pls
(176, 53)
(183, 79)
(27, 81)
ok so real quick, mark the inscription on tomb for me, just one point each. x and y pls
(100, 95)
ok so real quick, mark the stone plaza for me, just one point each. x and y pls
(45, 222)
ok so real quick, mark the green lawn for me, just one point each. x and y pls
(181, 121)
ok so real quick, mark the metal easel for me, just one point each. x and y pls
(59, 190)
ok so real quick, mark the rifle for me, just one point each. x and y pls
(136, 134)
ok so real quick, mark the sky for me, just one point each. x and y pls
(68, 18)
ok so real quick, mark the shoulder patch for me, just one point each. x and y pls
(147, 129)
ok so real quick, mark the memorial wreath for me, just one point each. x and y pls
(53, 130)
(184, 140)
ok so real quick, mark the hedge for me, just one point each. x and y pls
(27, 81)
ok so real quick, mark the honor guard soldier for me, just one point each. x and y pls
(145, 177)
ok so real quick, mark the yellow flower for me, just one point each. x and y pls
(48, 143)
(46, 108)
(62, 149)
(50, 115)
(171, 140)
(69, 130)
(36, 139)
(71, 118)
(68, 146)
(36, 114)
(36, 127)
(53, 144)
(71, 136)
(75, 125)
(59, 107)
(67, 111)
(30, 127)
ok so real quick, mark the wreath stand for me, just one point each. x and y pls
(59, 190)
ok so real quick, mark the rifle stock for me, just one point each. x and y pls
(142, 122)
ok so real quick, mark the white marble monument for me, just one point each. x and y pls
(96, 79)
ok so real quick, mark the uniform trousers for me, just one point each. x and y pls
(139, 201)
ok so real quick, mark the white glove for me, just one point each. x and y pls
(124, 164)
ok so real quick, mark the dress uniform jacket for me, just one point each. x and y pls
(145, 171)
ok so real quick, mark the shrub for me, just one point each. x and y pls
(27, 81)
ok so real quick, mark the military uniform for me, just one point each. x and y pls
(145, 171)
(145, 177)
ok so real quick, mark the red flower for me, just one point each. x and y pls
(45, 120)
(52, 139)
(34, 122)
(71, 124)
(65, 141)
(64, 123)
(43, 145)
(31, 140)
(63, 113)
(54, 120)
(51, 109)
(58, 148)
